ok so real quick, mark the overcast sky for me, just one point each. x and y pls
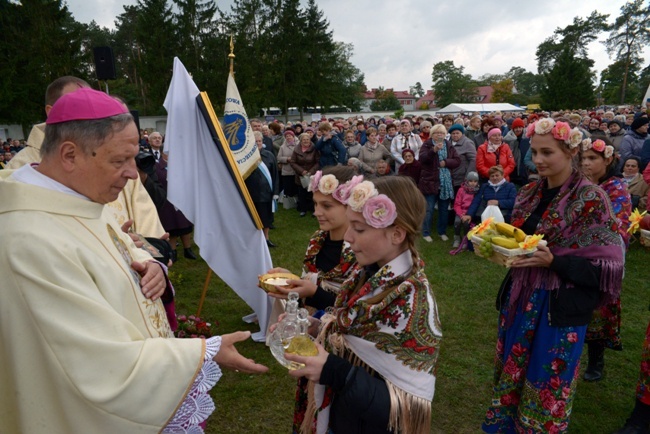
(396, 44)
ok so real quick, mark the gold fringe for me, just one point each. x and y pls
(310, 411)
(408, 413)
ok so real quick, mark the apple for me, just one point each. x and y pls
(645, 222)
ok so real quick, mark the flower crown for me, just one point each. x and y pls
(561, 131)
(598, 146)
(377, 209)
(328, 184)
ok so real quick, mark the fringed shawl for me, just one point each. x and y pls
(331, 280)
(386, 324)
(579, 221)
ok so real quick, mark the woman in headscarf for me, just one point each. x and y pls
(287, 174)
(599, 165)
(519, 145)
(304, 162)
(546, 300)
(636, 185)
(486, 125)
(494, 153)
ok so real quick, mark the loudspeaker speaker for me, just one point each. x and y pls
(104, 63)
(136, 118)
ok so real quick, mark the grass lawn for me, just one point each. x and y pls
(465, 287)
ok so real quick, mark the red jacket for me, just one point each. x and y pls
(485, 160)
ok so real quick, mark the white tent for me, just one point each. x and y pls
(482, 108)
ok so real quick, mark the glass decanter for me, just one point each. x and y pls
(286, 330)
(302, 344)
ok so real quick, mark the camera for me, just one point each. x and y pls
(146, 162)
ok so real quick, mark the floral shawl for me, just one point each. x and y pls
(579, 221)
(386, 324)
(446, 188)
(616, 189)
(331, 280)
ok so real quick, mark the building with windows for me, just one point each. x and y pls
(405, 99)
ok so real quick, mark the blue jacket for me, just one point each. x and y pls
(506, 197)
(332, 152)
(528, 161)
(645, 154)
(631, 145)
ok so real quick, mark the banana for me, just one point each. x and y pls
(508, 243)
(505, 229)
(511, 231)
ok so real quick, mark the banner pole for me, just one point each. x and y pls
(205, 291)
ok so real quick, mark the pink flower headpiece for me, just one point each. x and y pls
(598, 146)
(561, 131)
(378, 210)
(328, 184)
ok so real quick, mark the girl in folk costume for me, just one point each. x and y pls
(375, 371)
(546, 300)
(329, 259)
(604, 331)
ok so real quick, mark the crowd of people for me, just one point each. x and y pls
(548, 173)
(484, 144)
(91, 193)
(9, 148)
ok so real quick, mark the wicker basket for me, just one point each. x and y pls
(645, 237)
(502, 256)
(269, 287)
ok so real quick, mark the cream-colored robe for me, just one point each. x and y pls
(133, 203)
(81, 349)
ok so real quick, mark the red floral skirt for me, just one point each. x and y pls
(536, 371)
(605, 326)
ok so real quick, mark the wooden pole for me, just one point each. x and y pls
(231, 56)
(205, 291)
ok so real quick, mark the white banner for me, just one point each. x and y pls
(200, 185)
(238, 131)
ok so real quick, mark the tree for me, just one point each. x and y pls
(526, 83)
(385, 100)
(488, 79)
(39, 42)
(286, 64)
(568, 83)
(320, 75)
(575, 37)
(287, 57)
(126, 50)
(641, 86)
(417, 90)
(194, 24)
(502, 90)
(246, 21)
(612, 81)
(451, 85)
(629, 35)
(156, 41)
(350, 79)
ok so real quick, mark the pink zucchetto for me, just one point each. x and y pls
(84, 104)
